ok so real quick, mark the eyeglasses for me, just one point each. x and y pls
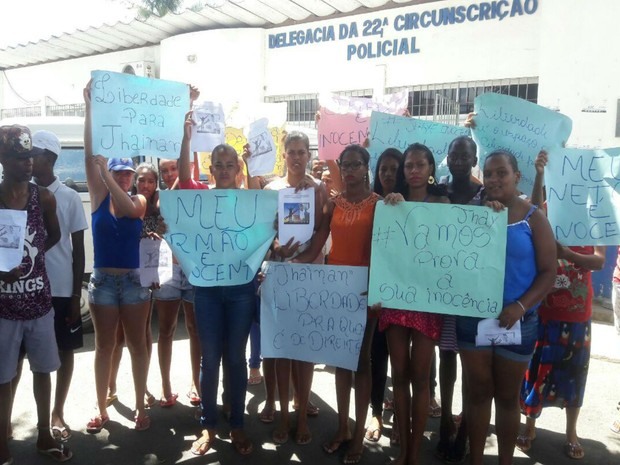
(351, 166)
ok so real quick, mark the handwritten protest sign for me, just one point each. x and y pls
(395, 104)
(12, 238)
(208, 132)
(438, 258)
(399, 132)
(521, 127)
(583, 195)
(314, 313)
(155, 262)
(262, 148)
(336, 131)
(133, 115)
(220, 237)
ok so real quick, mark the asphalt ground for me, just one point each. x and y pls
(174, 429)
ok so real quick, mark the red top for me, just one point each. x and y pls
(351, 228)
(571, 297)
(192, 184)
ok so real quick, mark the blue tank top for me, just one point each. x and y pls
(116, 241)
(521, 269)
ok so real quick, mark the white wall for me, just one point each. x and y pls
(481, 50)
(580, 66)
(227, 65)
(63, 81)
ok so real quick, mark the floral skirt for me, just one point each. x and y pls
(557, 374)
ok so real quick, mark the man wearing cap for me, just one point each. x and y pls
(26, 319)
(65, 269)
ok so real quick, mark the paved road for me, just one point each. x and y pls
(169, 439)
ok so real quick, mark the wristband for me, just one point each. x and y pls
(521, 305)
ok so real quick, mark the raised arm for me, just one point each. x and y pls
(97, 190)
(253, 182)
(538, 194)
(124, 205)
(185, 172)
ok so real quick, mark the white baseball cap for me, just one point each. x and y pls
(46, 140)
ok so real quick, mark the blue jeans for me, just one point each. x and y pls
(224, 315)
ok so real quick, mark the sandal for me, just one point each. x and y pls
(142, 424)
(311, 410)
(194, 398)
(169, 401)
(149, 400)
(574, 450)
(58, 454)
(524, 442)
(112, 397)
(615, 426)
(61, 433)
(267, 415)
(198, 446)
(95, 425)
(255, 377)
(334, 446)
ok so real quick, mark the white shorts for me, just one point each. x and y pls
(39, 342)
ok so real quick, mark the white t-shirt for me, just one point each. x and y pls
(59, 259)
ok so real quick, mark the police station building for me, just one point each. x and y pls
(562, 54)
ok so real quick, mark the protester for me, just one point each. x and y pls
(615, 297)
(26, 319)
(65, 269)
(557, 374)
(349, 218)
(463, 189)
(224, 315)
(496, 372)
(411, 336)
(115, 294)
(387, 180)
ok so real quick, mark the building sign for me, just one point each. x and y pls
(374, 29)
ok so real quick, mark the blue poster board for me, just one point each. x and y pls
(219, 236)
(438, 258)
(133, 116)
(314, 313)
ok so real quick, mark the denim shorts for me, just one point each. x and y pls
(467, 328)
(116, 289)
(177, 288)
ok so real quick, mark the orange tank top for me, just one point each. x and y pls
(351, 228)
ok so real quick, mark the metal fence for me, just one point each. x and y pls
(72, 109)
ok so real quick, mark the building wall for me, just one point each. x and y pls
(63, 81)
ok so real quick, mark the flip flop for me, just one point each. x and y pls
(169, 401)
(254, 380)
(615, 426)
(194, 398)
(112, 397)
(58, 454)
(197, 446)
(524, 442)
(373, 434)
(95, 425)
(311, 410)
(332, 447)
(574, 450)
(61, 433)
(142, 423)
